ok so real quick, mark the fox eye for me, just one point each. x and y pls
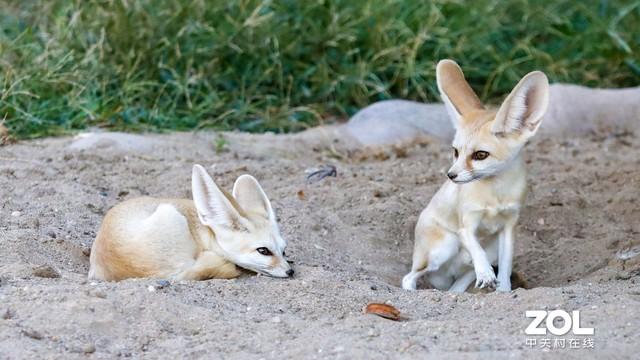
(455, 153)
(264, 251)
(284, 253)
(480, 155)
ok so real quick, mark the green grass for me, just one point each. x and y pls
(286, 65)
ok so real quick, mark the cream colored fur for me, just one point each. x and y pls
(195, 240)
(470, 222)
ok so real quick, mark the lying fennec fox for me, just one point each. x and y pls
(192, 240)
(469, 223)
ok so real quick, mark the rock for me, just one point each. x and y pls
(572, 110)
(46, 271)
(89, 349)
(86, 251)
(397, 121)
(372, 333)
(95, 209)
(161, 284)
(623, 275)
(99, 294)
(115, 141)
(16, 213)
(32, 334)
(7, 314)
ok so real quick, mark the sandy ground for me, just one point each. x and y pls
(350, 239)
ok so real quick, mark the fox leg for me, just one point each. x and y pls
(209, 266)
(505, 257)
(410, 280)
(419, 265)
(485, 277)
(462, 283)
(429, 254)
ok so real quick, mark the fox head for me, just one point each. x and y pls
(486, 141)
(244, 223)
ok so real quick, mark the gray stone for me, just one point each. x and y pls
(114, 141)
(573, 110)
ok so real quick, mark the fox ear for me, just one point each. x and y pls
(523, 109)
(458, 97)
(252, 199)
(214, 206)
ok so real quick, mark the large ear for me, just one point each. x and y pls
(252, 199)
(215, 207)
(458, 97)
(523, 109)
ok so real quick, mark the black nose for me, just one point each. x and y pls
(290, 272)
(452, 175)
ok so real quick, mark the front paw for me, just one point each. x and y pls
(409, 282)
(485, 279)
(504, 286)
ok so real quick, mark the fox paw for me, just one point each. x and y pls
(409, 282)
(486, 279)
(504, 285)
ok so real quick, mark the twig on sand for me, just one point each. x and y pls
(320, 173)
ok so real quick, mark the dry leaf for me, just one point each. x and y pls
(383, 310)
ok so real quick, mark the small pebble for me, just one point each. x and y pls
(89, 349)
(7, 314)
(46, 271)
(151, 288)
(16, 213)
(100, 294)
(32, 334)
(161, 284)
(540, 221)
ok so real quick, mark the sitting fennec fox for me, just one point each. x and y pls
(192, 240)
(469, 223)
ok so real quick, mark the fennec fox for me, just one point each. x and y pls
(469, 223)
(193, 240)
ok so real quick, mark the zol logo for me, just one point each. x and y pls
(569, 322)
